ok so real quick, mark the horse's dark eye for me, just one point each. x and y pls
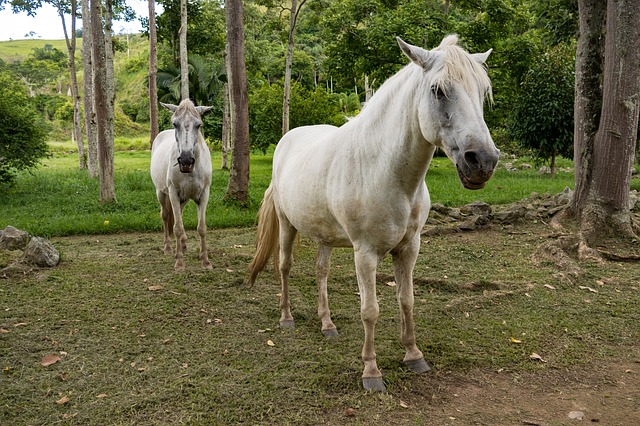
(438, 92)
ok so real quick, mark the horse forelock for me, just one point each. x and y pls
(187, 107)
(458, 66)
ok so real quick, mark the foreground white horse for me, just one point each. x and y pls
(181, 171)
(363, 184)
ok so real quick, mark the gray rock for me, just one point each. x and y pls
(477, 208)
(41, 252)
(13, 239)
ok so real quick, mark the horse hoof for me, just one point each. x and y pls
(207, 266)
(179, 267)
(330, 332)
(418, 365)
(286, 324)
(373, 384)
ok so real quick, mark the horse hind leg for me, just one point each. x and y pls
(287, 237)
(167, 220)
(323, 263)
(403, 262)
(202, 230)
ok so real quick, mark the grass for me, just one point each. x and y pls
(195, 350)
(58, 199)
(18, 50)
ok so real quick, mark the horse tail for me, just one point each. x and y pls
(267, 237)
(171, 221)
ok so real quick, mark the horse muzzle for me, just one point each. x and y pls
(475, 168)
(186, 165)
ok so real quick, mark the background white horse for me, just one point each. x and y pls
(363, 184)
(181, 171)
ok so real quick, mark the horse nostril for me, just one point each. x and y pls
(471, 157)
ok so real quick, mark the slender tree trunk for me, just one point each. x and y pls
(238, 188)
(184, 63)
(153, 72)
(75, 93)
(286, 98)
(603, 193)
(105, 145)
(88, 101)
(226, 128)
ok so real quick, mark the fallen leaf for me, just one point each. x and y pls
(155, 288)
(237, 246)
(4, 331)
(403, 404)
(20, 324)
(600, 282)
(102, 395)
(50, 359)
(69, 416)
(270, 343)
(391, 284)
(62, 400)
(583, 287)
(229, 270)
(514, 340)
(534, 356)
(549, 286)
(350, 412)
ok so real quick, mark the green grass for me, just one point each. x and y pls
(14, 50)
(58, 199)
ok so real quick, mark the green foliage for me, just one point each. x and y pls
(543, 117)
(23, 142)
(307, 107)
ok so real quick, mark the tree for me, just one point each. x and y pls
(606, 117)
(24, 134)
(102, 104)
(153, 72)
(89, 110)
(542, 120)
(294, 11)
(184, 66)
(238, 188)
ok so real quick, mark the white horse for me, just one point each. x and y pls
(362, 185)
(181, 171)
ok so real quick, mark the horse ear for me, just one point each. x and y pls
(202, 109)
(418, 55)
(170, 107)
(481, 58)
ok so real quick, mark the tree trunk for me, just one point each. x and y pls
(238, 188)
(89, 111)
(605, 142)
(184, 63)
(75, 93)
(153, 73)
(226, 128)
(293, 18)
(102, 102)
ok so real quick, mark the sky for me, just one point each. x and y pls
(46, 25)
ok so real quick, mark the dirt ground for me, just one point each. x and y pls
(607, 393)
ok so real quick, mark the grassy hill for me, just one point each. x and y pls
(130, 63)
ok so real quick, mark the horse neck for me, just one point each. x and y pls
(391, 124)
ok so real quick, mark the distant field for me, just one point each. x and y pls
(13, 50)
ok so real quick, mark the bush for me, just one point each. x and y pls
(542, 120)
(23, 131)
(306, 108)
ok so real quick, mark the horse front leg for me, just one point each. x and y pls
(366, 264)
(167, 220)
(287, 237)
(178, 230)
(323, 263)
(404, 260)
(202, 229)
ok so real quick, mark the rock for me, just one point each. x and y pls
(41, 252)
(441, 208)
(565, 196)
(474, 222)
(634, 199)
(510, 216)
(13, 239)
(477, 208)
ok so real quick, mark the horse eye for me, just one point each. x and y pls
(438, 92)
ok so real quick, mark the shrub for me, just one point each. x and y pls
(23, 141)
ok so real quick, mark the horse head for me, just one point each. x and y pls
(450, 107)
(187, 121)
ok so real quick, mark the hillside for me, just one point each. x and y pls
(130, 63)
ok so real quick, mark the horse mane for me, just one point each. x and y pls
(460, 67)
